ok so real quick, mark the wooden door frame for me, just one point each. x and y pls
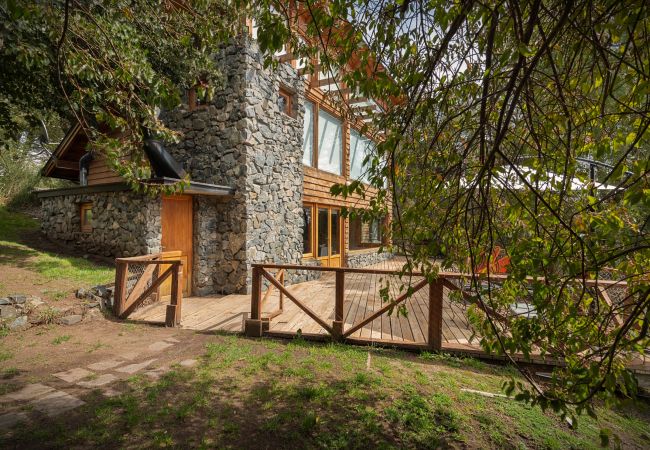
(342, 238)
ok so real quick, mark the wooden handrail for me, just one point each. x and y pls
(446, 275)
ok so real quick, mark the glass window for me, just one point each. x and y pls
(330, 143)
(365, 234)
(336, 231)
(360, 147)
(323, 232)
(308, 135)
(307, 230)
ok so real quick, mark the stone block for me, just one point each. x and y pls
(18, 298)
(19, 323)
(71, 320)
(7, 311)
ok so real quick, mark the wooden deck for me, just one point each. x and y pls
(362, 298)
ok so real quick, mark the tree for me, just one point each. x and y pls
(488, 108)
(108, 66)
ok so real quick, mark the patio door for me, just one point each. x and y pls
(329, 236)
(176, 221)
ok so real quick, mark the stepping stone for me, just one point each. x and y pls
(10, 419)
(133, 368)
(171, 339)
(158, 346)
(188, 362)
(29, 392)
(105, 365)
(56, 403)
(108, 392)
(73, 375)
(99, 381)
(156, 373)
(129, 355)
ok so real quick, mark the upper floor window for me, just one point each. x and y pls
(360, 147)
(330, 143)
(308, 135)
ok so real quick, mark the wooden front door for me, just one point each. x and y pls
(177, 237)
(329, 236)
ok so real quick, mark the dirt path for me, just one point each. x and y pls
(50, 369)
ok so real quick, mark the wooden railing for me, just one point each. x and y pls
(257, 325)
(132, 288)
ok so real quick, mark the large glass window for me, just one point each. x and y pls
(365, 234)
(308, 135)
(330, 143)
(323, 232)
(336, 231)
(360, 147)
(307, 230)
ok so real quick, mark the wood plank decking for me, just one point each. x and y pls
(362, 298)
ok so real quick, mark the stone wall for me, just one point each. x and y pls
(241, 139)
(123, 223)
(367, 258)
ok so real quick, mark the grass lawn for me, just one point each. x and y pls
(247, 393)
(16, 252)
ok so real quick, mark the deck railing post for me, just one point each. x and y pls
(173, 313)
(434, 339)
(282, 293)
(253, 327)
(337, 325)
(121, 275)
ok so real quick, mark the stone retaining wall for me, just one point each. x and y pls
(367, 258)
(123, 223)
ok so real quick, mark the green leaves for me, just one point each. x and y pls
(110, 66)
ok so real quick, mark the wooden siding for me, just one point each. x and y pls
(100, 173)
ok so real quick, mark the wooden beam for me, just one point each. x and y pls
(256, 293)
(434, 337)
(70, 165)
(290, 296)
(337, 326)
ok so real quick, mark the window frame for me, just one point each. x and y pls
(361, 137)
(311, 207)
(288, 101)
(318, 105)
(86, 227)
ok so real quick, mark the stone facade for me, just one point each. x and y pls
(123, 223)
(363, 259)
(241, 139)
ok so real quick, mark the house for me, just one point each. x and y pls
(262, 156)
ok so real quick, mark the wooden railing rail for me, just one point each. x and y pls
(280, 277)
(257, 325)
(125, 304)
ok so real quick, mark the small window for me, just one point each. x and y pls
(285, 102)
(197, 96)
(86, 217)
